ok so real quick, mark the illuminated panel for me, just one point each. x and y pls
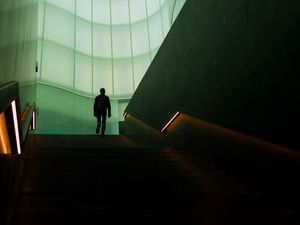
(99, 40)
(170, 122)
(32, 125)
(4, 138)
(33, 121)
(14, 110)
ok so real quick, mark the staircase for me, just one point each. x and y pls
(113, 180)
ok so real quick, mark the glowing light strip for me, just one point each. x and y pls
(170, 121)
(14, 111)
(33, 120)
(125, 114)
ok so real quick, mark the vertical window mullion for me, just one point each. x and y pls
(161, 18)
(130, 30)
(92, 46)
(43, 36)
(149, 41)
(75, 26)
(112, 52)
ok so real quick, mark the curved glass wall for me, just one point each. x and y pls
(88, 44)
(84, 45)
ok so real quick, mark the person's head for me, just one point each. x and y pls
(102, 90)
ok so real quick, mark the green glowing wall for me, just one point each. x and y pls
(78, 47)
(85, 45)
(64, 112)
(18, 45)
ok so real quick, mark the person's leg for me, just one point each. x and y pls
(98, 124)
(103, 115)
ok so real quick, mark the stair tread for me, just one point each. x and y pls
(119, 184)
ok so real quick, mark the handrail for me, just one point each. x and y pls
(13, 125)
(27, 119)
(289, 143)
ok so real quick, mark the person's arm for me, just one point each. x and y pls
(108, 107)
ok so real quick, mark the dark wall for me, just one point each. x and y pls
(236, 63)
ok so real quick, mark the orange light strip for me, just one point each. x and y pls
(170, 122)
(14, 111)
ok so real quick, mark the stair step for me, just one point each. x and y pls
(66, 181)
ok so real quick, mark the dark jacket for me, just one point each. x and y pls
(102, 105)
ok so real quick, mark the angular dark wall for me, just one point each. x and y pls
(232, 62)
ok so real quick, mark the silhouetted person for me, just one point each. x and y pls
(101, 110)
